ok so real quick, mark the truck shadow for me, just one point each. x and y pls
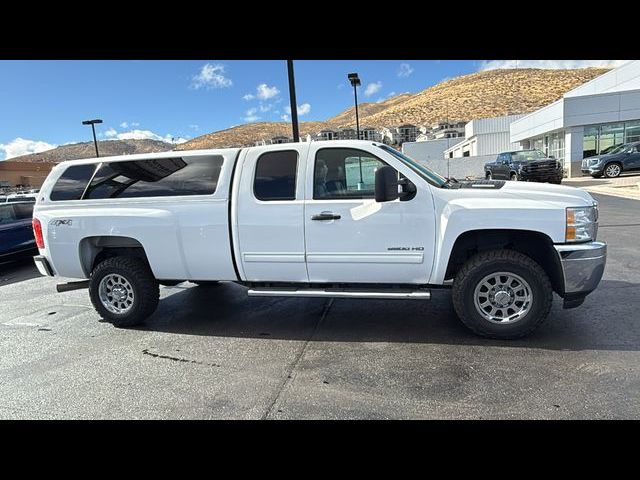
(17, 270)
(226, 311)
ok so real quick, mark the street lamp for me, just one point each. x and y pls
(355, 82)
(293, 102)
(93, 128)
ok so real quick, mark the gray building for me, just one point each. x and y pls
(587, 120)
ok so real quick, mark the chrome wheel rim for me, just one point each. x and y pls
(613, 170)
(503, 298)
(116, 294)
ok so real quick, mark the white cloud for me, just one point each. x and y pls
(372, 89)
(266, 92)
(302, 109)
(250, 115)
(148, 135)
(391, 94)
(22, 146)
(249, 96)
(194, 126)
(265, 107)
(211, 75)
(405, 70)
(129, 124)
(285, 117)
(111, 132)
(549, 64)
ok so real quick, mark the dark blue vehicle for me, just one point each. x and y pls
(16, 232)
(622, 158)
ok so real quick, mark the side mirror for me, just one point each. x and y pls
(386, 184)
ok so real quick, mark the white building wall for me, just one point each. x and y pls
(545, 120)
(429, 149)
(625, 77)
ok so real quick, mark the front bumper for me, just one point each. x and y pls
(540, 177)
(42, 264)
(582, 268)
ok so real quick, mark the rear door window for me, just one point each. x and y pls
(7, 214)
(72, 182)
(276, 176)
(23, 211)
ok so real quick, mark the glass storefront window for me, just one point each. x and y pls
(590, 142)
(632, 131)
(611, 135)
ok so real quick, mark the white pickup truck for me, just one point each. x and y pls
(346, 219)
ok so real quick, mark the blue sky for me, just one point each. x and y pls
(42, 103)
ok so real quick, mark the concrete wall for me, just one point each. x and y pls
(430, 149)
(24, 173)
(460, 168)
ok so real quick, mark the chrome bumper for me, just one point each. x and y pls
(43, 266)
(582, 266)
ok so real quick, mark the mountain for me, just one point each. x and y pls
(478, 95)
(107, 148)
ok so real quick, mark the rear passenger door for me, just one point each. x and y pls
(270, 214)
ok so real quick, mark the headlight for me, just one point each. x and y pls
(582, 224)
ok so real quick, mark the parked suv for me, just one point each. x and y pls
(16, 234)
(525, 165)
(623, 158)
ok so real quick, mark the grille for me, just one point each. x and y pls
(541, 167)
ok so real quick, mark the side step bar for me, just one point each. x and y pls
(341, 293)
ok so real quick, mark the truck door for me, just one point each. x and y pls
(349, 237)
(270, 213)
(501, 169)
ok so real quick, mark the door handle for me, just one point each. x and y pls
(326, 216)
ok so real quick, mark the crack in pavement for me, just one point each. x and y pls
(289, 374)
(178, 359)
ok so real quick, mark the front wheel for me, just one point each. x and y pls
(502, 294)
(513, 177)
(488, 176)
(124, 291)
(612, 170)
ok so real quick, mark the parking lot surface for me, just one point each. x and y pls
(212, 352)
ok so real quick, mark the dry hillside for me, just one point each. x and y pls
(478, 95)
(107, 148)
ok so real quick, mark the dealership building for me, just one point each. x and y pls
(587, 120)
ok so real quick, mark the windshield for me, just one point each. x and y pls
(616, 149)
(527, 156)
(429, 175)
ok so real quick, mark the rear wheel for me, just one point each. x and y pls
(502, 294)
(124, 291)
(612, 170)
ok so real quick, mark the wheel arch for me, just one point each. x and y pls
(95, 249)
(536, 245)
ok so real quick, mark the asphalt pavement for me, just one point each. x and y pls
(212, 352)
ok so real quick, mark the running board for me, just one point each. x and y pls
(341, 293)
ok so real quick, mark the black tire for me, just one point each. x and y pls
(513, 177)
(146, 291)
(485, 263)
(608, 174)
(206, 283)
(488, 176)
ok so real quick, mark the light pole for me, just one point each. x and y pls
(292, 101)
(355, 82)
(93, 129)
